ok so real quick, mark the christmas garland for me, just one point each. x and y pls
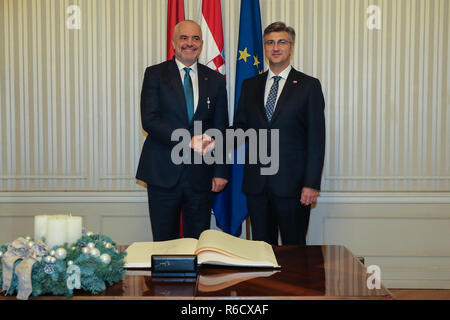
(89, 264)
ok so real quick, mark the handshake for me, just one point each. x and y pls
(202, 144)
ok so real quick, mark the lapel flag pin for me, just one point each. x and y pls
(295, 81)
(206, 78)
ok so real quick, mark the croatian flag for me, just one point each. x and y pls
(213, 56)
(211, 24)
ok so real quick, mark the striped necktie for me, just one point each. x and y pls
(270, 105)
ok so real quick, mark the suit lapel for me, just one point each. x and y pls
(292, 82)
(260, 90)
(202, 90)
(175, 82)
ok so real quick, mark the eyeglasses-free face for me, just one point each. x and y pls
(188, 42)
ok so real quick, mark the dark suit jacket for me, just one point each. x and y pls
(163, 109)
(299, 116)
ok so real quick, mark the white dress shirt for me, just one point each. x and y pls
(283, 74)
(194, 77)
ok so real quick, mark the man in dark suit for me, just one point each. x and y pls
(291, 102)
(175, 94)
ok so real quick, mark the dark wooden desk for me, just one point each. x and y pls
(307, 272)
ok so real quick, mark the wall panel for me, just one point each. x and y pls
(70, 97)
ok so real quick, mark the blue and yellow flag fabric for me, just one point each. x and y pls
(230, 207)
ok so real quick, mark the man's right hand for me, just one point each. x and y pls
(202, 144)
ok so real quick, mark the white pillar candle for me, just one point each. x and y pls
(40, 227)
(74, 226)
(56, 230)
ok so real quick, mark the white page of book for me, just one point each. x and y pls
(139, 253)
(237, 247)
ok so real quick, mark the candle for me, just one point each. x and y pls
(74, 226)
(56, 230)
(40, 227)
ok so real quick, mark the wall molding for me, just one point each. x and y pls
(386, 177)
(42, 177)
(384, 197)
(73, 197)
(141, 196)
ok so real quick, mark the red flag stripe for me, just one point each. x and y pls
(212, 13)
(175, 14)
(219, 61)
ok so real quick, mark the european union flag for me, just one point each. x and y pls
(230, 207)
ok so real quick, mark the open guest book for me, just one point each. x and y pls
(212, 247)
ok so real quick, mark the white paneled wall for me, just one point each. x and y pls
(70, 97)
(71, 135)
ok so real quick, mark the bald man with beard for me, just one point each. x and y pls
(176, 93)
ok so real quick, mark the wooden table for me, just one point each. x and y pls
(307, 273)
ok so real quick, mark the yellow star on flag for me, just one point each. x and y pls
(243, 55)
(256, 61)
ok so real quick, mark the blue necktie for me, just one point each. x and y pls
(270, 105)
(188, 93)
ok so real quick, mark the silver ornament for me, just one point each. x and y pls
(94, 252)
(106, 258)
(61, 253)
(30, 244)
(85, 250)
(48, 259)
(91, 245)
(70, 262)
(89, 234)
(49, 269)
(1, 254)
(52, 260)
(108, 245)
(52, 253)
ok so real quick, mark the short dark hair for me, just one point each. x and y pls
(280, 27)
